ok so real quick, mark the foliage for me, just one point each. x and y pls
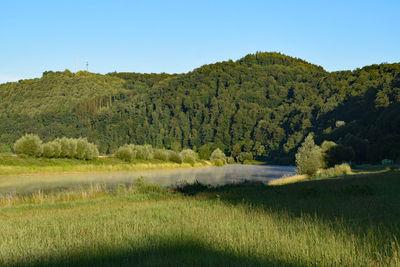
(29, 144)
(338, 154)
(337, 170)
(56, 149)
(325, 146)
(243, 156)
(161, 154)
(263, 103)
(59, 148)
(175, 157)
(126, 153)
(189, 156)
(308, 157)
(144, 152)
(204, 152)
(85, 150)
(48, 150)
(230, 160)
(70, 148)
(217, 154)
(11, 164)
(218, 162)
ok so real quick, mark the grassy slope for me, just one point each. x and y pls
(12, 164)
(350, 221)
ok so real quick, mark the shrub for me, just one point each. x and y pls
(231, 160)
(204, 152)
(82, 147)
(64, 144)
(217, 154)
(339, 154)
(218, 162)
(325, 147)
(308, 157)
(338, 170)
(243, 156)
(85, 150)
(161, 154)
(144, 152)
(56, 148)
(29, 144)
(188, 156)
(72, 144)
(126, 153)
(92, 151)
(175, 157)
(48, 150)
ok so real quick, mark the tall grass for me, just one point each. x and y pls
(337, 170)
(237, 225)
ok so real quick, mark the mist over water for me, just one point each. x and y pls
(20, 184)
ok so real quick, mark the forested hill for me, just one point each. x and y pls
(263, 103)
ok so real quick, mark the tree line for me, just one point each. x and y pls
(260, 106)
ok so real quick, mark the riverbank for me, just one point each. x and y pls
(351, 221)
(355, 170)
(11, 164)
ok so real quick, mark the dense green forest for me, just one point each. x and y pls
(263, 103)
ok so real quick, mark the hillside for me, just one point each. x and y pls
(263, 103)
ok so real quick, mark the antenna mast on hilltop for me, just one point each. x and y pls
(75, 64)
(87, 65)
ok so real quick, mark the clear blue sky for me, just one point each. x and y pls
(177, 36)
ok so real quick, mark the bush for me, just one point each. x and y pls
(56, 148)
(231, 160)
(29, 144)
(339, 154)
(144, 152)
(243, 156)
(72, 144)
(218, 162)
(161, 154)
(64, 144)
(204, 152)
(338, 170)
(217, 154)
(175, 157)
(188, 156)
(92, 152)
(308, 157)
(82, 147)
(48, 150)
(126, 153)
(325, 147)
(86, 150)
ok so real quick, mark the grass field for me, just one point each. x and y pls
(345, 221)
(13, 164)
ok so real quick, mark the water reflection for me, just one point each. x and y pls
(169, 177)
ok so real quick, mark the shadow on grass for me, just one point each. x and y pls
(365, 201)
(187, 253)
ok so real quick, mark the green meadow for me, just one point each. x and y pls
(351, 220)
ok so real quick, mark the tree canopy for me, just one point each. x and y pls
(264, 104)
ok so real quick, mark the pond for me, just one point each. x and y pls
(20, 184)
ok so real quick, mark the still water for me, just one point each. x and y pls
(168, 177)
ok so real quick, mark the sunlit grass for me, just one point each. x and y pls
(313, 223)
(289, 180)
